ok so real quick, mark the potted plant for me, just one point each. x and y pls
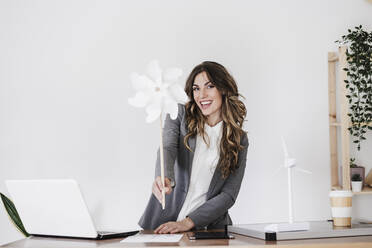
(359, 81)
(356, 183)
(355, 169)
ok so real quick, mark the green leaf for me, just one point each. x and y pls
(359, 81)
(13, 214)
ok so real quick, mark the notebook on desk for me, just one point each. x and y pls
(55, 208)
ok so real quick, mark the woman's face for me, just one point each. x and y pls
(207, 97)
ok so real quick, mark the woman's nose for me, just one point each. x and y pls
(203, 93)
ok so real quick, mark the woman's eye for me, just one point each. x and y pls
(210, 86)
(195, 89)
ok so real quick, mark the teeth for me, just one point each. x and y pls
(206, 102)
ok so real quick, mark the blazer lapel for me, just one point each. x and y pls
(192, 144)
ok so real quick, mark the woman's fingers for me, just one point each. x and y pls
(172, 227)
(156, 191)
(157, 186)
(169, 227)
(167, 188)
(165, 229)
(160, 228)
(160, 184)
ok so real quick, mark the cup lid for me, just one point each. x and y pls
(340, 193)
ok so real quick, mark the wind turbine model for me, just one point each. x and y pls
(289, 163)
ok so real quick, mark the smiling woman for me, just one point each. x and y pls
(205, 151)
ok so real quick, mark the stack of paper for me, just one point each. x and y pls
(153, 238)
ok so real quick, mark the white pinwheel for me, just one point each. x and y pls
(158, 92)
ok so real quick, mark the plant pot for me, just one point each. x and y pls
(356, 186)
(358, 170)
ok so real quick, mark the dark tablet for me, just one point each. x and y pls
(210, 235)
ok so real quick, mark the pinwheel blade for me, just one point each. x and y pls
(170, 107)
(154, 71)
(158, 91)
(139, 100)
(153, 112)
(140, 82)
(178, 93)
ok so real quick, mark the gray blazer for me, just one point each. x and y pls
(221, 195)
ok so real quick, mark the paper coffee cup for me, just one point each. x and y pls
(341, 202)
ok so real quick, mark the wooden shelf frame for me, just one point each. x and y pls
(344, 121)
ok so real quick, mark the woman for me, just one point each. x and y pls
(205, 151)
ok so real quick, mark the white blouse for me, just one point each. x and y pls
(203, 166)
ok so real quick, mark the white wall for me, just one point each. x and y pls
(64, 84)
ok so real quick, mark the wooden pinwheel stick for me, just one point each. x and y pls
(162, 163)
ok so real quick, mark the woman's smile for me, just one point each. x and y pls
(205, 104)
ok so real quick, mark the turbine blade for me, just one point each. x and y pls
(276, 172)
(302, 170)
(284, 147)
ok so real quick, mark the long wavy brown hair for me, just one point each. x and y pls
(233, 113)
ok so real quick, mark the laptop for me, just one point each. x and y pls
(55, 208)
